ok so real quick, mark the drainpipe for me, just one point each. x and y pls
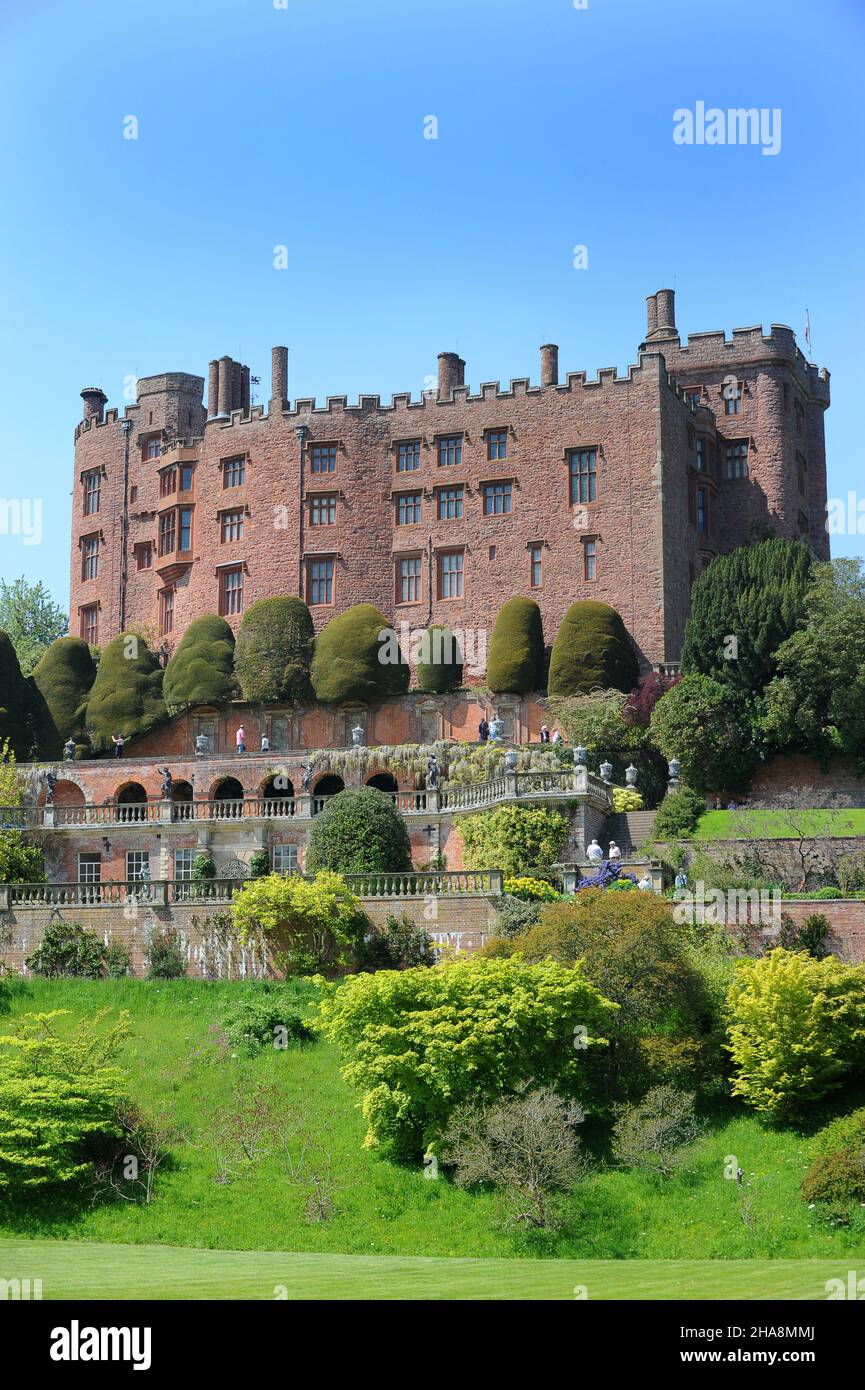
(301, 431)
(124, 525)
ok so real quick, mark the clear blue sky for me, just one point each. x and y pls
(303, 126)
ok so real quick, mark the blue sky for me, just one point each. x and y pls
(303, 126)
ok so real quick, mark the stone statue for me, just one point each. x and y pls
(202, 745)
(432, 773)
(167, 784)
(511, 760)
(306, 777)
(50, 784)
(357, 736)
(497, 730)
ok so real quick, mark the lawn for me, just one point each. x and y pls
(779, 825)
(383, 1209)
(72, 1270)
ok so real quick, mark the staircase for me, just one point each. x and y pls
(629, 829)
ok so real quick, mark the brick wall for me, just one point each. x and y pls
(801, 781)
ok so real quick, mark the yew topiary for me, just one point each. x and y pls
(592, 651)
(201, 671)
(274, 649)
(516, 662)
(64, 678)
(357, 657)
(18, 703)
(359, 831)
(440, 661)
(126, 697)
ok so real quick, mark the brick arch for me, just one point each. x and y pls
(326, 784)
(286, 787)
(226, 788)
(383, 780)
(67, 792)
(130, 792)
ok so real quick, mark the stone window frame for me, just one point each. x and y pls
(458, 438)
(326, 557)
(731, 474)
(494, 432)
(398, 445)
(510, 483)
(323, 500)
(568, 456)
(416, 557)
(90, 490)
(90, 546)
(168, 480)
(223, 572)
(166, 598)
(801, 473)
(224, 517)
(139, 550)
(85, 611)
(592, 540)
(233, 464)
(457, 500)
(531, 547)
(441, 554)
(319, 447)
(400, 500)
(147, 441)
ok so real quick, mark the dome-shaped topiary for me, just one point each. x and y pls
(516, 661)
(64, 678)
(126, 697)
(353, 661)
(274, 649)
(359, 831)
(18, 703)
(201, 671)
(440, 661)
(592, 651)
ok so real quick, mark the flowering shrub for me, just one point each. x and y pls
(531, 889)
(626, 799)
(314, 925)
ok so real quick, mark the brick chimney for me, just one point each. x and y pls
(550, 364)
(451, 373)
(212, 389)
(278, 379)
(94, 399)
(661, 317)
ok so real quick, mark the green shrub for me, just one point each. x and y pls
(797, 1029)
(515, 915)
(67, 948)
(677, 816)
(513, 838)
(401, 946)
(126, 697)
(252, 1024)
(259, 864)
(440, 661)
(312, 926)
(626, 799)
(64, 678)
(705, 725)
(531, 889)
(166, 958)
(118, 961)
(592, 651)
(516, 660)
(201, 671)
(835, 1177)
(651, 1134)
(19, 861)
(203, 868)
(357, 657)
(274, 650)
(829, 893)
(417, 1043)
(359, 831)
(61, 1096)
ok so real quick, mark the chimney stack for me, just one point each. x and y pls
(224, 395)
(213, 389)
(451, 373)
(278, 379)
(666, 302)
(550, 364)
(244, 390)
(94, 399)
(661, 317)
(651, 314)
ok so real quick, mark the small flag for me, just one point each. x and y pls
(807, 330)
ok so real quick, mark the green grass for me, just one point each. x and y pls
(386, 1210)
(72, 1270)
(779, 825)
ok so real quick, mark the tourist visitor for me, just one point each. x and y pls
(497, 730)
(645, 883)
(557, 736)
(594, 853)
(615, 853)
(265, 743)
(483, 730)
(545, 734)
(118, 740)
(681, 879)
(240, 739)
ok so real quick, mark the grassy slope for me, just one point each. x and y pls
(779, 825)
(387, 1210)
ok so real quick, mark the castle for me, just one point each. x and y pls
(619, 488)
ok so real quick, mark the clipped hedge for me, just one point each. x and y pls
(274, 649)
(64, 678)
(592, 651)
(347, 663)
(516, 660)
(201, 671)
(359, 831)
(440, 661)
(127, 694)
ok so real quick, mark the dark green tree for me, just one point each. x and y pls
(64, 678)
(274, 650)
(703, 724)
(440, 661)
(592, 651)
(743, 606)
(516, 660)
(18, 703)
(359, 831)
(201, 671)
(127, 694)
(357, 657)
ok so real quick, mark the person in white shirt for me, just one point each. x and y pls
(594, 853)
(557, 736)
(615, 853)
(645, 883)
